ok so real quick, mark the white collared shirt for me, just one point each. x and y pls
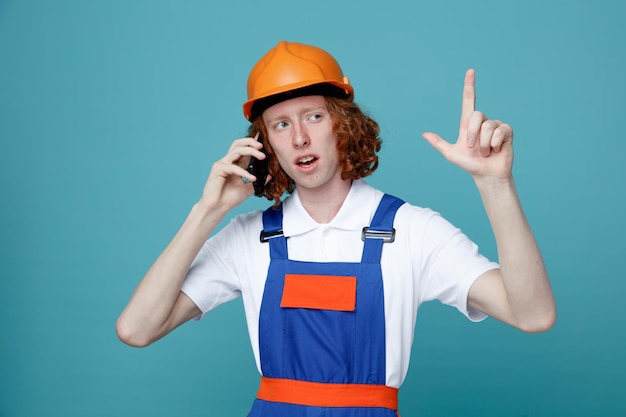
(430, 259)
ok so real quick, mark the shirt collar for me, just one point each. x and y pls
(355, 213)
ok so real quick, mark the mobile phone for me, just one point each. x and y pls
(258, 168)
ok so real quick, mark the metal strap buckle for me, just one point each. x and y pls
(387, 236)
(266, 236)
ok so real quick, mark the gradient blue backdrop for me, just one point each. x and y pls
(112, 112)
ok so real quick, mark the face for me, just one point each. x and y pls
(300, 131)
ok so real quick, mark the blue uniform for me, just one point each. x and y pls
(322, 329)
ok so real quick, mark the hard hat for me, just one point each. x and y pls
(291, 69)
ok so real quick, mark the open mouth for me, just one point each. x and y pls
(306, 161)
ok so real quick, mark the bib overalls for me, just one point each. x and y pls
(322, 329)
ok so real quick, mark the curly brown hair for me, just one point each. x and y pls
(357, 144)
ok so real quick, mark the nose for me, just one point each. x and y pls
(300, 136)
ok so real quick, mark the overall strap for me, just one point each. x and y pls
(380, 230)
(273, 232)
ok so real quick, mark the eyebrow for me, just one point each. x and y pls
(311, 109)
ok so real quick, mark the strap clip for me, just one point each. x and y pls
(388, 236)
(266, 236)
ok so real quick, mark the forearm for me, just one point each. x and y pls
(523, 271)
(150, 308)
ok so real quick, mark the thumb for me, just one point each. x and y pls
(436, 142)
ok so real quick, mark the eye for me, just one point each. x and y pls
(280, 125)
(315, 116)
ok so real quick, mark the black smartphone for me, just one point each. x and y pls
(258, 168)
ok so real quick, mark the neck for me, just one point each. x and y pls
(324, 204)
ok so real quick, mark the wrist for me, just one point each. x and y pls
(206, 210)
(205, 217)
(492, 184)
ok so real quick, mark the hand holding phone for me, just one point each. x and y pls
(258, 168)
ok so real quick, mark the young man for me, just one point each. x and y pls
(332, 276)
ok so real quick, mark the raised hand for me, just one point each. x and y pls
(225, 188)
(158, 306)
(484, 147)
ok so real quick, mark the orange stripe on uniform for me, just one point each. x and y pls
(318, 394)
(320, 292)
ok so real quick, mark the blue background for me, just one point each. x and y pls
(111, 114)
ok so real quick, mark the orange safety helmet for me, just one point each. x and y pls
(293, 66)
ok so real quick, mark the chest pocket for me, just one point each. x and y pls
(319, 292)
(319, 324)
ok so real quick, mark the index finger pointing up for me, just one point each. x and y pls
(469, 98)
(469, 91)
